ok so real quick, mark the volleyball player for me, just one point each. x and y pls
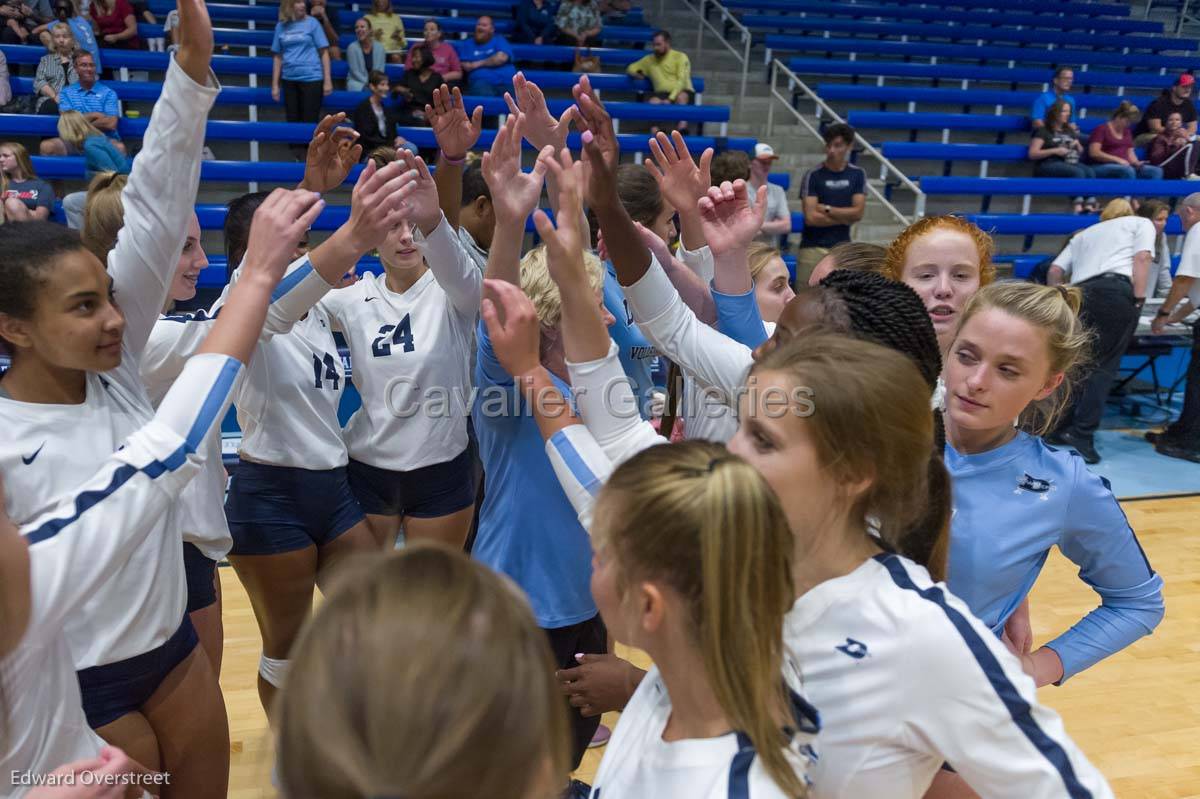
(71, 546)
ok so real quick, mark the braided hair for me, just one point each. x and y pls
(870, 306)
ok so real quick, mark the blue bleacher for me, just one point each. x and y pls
(1085, 9)
(1000, 123)
(884, 95)
(1067, 187)
(974, 72)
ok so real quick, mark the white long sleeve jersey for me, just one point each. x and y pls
(82, 538)
(412, 354)
(49, 450)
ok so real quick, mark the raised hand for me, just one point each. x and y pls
(601, 153)
(541, 128)
(195, 39)
(564, 240)
(729, 222)
(456, 133)
(378, 203)
(421, 203)
(681, 181)
(278, 226)
(514, 193)
(332, 153)
(513, 327)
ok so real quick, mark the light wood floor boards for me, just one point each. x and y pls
(1136, 715)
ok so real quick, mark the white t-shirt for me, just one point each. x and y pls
(639, 763)
(1189, 262)
(75, 547)
(1108, 247)
(411, 354)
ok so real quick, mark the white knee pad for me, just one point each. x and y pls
(273, 671)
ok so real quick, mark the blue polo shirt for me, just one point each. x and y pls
(300, 44)
(528, 529)
(98, 99)
(470, 50)
(1046, 99)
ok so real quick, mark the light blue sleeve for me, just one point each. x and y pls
(318, 34)
(1100, 541)
(738, 317)
(356, 80)
(111, 106)
(275, 48)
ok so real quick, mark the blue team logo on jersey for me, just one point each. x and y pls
(1034, 485)
(855, 649)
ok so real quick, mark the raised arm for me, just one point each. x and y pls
(682, 183)
(514, 196)
(161, 193)
(541, 129)
(693, 290)
(730, 225)
(456, 134)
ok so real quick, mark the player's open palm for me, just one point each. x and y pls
(278, 226)
(541, 129)
(420, 194)
(729, 221)
(514, 193)
(680, 179)
(456, 133)
(564, 239)
(378, 203)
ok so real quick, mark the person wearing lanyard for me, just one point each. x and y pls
(1110, 262)
(1181, 439)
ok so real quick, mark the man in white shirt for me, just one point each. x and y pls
(1181, 439)
(778, 221)
(1110, 263)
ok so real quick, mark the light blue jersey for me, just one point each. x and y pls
(636, 354)
(1011, 505)
(527, 526)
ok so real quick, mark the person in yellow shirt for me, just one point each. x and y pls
(670, 71)
(388, 29)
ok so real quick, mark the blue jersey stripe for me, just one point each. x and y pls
(291, 280)
(1016, 705)
(213, 403)
(575, 463)
(1149, 569)
(739, 769)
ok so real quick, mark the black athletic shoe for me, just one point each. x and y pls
(1172, 450)
(1056, 438)
(1155, 436)
(1084, 446)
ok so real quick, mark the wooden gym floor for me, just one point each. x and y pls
(1136, 715)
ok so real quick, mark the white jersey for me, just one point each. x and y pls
(411, 354)
(173, 341)
(476, 253)
(77, 543)
(639, 763)
(706, 413)
(49, 450)
(906, 679)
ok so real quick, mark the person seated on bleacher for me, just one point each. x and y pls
(1055, 150)
(374, 118)
(1064, 78)
(66, 12)
(25, 196)
(416, 86)
(669, 70)
(445, 57)
(116, 22)
(1177, 99)
(615, 8)
(1110, 148)
(55, 71)
(99, 156)
(363, 56)
(1173, 150)
(579, 23)
(93, 99)
(321, 14)
(778, 221)
(20, 20)
(535, 22)
(835, 197)
(5, 87)
(389, 29)
(487, 59)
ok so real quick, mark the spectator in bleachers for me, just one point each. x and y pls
(669, 70)
(97, 103)
(66, 12)
(25, 196)
(20, 20)
(535, 22)
(487, 59)
(1173, 150)
(300, 65)
(1064, 78)
(374, 118)
(363, 56)
(320, 13)
(416, 87)
(388, 28)
(1177, 99)
(99, 154)
(579, 23)
(1110, 148)
(116, 23)
(1056, 151)
(5, 86)
(778, 221)
(615, 8)
(445, 57)
(55, 71)
(834, 196)
(1158, 213)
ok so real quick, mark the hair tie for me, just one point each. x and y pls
(712, 464)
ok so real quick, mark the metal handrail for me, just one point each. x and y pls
(726, 17)
(796, 84)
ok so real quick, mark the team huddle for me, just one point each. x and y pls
(823, 536)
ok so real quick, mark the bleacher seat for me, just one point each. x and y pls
(886, 95)
(1068, 187)
(999, 123)
(960, 73)
(1046, 224)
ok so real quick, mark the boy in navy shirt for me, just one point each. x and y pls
(834, 196)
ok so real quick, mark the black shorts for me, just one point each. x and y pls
(276, 509)
(426, 493)
(667, 96)
(117, 689)
(201, 574)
